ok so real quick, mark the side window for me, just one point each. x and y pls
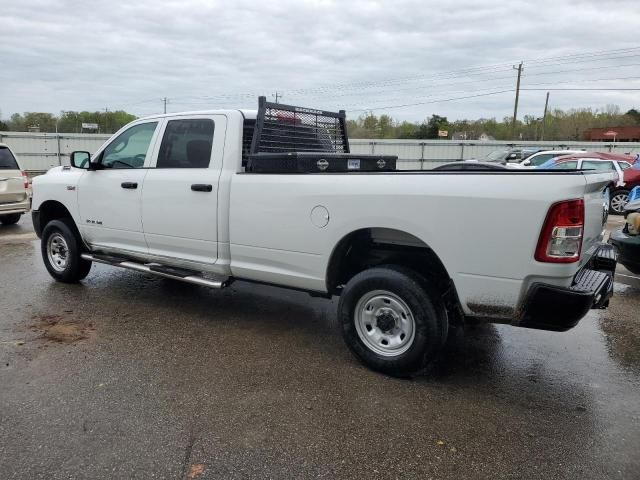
(624, 165)
(186, 144)
(567, 165)
(129, 149)
(540, 159)
(590, 165)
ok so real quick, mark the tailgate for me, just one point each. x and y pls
(11, 186)
(596, 206)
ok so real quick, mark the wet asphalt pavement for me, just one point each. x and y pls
(129, 376)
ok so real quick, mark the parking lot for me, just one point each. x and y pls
(131, 376)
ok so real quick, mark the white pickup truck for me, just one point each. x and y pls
(412, 254)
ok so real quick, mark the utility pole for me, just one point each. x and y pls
(515, 107)
(164, 100)
(544, 116)
(277, 95)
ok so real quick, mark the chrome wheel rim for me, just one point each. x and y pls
(618, 201)
(57, 252)
(384, 323)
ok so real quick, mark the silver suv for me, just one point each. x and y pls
(14, 188)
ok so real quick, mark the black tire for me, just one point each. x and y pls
(10, 219)
(430, 325)
(74, 268)
(617, 210)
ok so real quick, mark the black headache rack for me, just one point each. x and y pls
(289, 139)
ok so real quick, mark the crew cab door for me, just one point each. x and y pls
(180, 195)
(109, 194)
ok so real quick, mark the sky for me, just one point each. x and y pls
(408, 59)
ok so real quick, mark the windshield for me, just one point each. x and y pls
(540, 159)
(551, 163)
(496, 156)
(7, 160)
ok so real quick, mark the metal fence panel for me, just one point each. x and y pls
(38, 152)
(41, 151)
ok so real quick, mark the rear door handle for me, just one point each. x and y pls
(130, 185)
(202, 187)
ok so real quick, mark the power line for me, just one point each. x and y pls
(587, 89)
(442, 100)
(470, 72)
(595, 53)
(508, 86)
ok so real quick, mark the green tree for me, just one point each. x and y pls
(634, 114)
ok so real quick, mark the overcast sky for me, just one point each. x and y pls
(356, 55)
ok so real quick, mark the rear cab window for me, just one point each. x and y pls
(7, 160)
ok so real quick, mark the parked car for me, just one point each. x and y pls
(631, 177)
(411, 254)
(626, 239)
(14, 188)
(602, 162)
(510, 155)
(538, 158)
(470, 166)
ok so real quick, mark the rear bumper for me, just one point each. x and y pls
(549, 307)
(17, 207)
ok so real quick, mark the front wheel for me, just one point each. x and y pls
(10, 219)
(61, 250)
(618, 201)
(393, 320)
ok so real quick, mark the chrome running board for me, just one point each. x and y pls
(161, 271)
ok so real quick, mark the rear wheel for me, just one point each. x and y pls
(393, 320)
(618, 201)
(61, 250)
(10, 219)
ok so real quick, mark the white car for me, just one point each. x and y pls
(215, 196)
(620, 190)
(539, 158)
(14, 188)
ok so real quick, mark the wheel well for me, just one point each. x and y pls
(370, 247)
(53, 210)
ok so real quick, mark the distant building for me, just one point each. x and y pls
(464, 136)
(612, 134)
(485, 138)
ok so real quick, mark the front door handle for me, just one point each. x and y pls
(130, 185)
(202, 187)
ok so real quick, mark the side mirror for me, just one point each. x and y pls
(80, 160)
(526, 163)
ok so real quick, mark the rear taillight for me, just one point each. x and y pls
(561, 236)
(25, 177)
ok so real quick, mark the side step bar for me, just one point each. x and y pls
(155, 269)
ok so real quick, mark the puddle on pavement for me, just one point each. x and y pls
(55, 329)
(620, 324)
